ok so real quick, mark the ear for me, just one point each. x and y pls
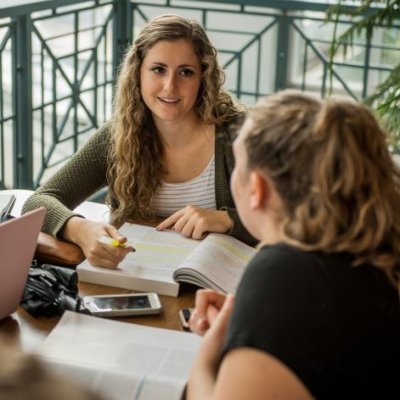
(259, 190)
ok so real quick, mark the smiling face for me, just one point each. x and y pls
(170, 77)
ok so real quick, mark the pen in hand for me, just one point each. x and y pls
(114, 242)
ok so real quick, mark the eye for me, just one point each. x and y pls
(158, 69)
(186, 72)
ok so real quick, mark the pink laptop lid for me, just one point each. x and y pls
(18, 237)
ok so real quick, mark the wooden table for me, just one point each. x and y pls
(28, 330)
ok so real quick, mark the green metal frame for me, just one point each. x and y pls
(60, 96)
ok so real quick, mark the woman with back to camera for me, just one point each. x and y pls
(317, 312)
(166, 151)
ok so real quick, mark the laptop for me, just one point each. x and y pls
(6, 203)
(18, 237)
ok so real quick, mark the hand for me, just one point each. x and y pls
(203, 375)
(207, 307)
(86, 235)
(196, 222)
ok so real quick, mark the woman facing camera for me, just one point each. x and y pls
(165, 152)
(317, 313)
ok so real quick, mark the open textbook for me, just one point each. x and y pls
(163, 259)
(120, 360)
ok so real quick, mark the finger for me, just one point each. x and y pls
(115, 234)
(208, 303)
(214, 338)
(181, 222)
(197, 323)
(205, 297)
(110, 257)
(102, 262)
(212, 313)
(171, 220)
(113, 255)
(200, 230)
(220, 324)
(187, 229)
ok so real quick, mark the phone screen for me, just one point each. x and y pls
(121, 303)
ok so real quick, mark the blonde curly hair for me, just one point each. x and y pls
(137, 151)
(330, 163)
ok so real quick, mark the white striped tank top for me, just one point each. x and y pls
(199, 191)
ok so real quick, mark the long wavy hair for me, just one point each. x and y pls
(330, 163)
(137, 151)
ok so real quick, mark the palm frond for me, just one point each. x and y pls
(364, 20)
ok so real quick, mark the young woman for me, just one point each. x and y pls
(317, 313)
(165, 152)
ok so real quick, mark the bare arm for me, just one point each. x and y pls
(247, 373)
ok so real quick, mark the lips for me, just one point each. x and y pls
(168, 100)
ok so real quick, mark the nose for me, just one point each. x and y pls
(169, 83)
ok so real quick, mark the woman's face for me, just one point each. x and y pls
(170, 77)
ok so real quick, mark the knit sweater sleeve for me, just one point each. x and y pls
(79, 178)
(224, 164)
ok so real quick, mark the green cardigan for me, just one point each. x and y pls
(86, 172)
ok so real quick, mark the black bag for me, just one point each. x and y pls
(50, 290)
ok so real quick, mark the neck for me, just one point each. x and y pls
(271, 238)
(270, 231)
(179, 133)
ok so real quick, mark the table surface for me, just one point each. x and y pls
(27, 330)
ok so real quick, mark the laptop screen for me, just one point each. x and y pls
(18, 237)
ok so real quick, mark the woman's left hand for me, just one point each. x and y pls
(195, 222)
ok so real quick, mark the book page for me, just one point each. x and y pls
(158, 253)
(150, 267)
(119, 385)
(218, 263)
(121, 360)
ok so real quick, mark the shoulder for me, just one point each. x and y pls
(280, 260)
(283, 276)
(281, 285)
(100, 142)
(103, 134)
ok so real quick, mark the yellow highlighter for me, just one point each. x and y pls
(114, 242)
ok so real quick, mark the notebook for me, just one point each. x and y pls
(18, 238)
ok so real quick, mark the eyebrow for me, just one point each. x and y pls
(179, 66)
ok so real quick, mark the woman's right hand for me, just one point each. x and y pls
(86, 234)
(207, 307)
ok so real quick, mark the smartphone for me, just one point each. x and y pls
(119, 305)
(184, 316)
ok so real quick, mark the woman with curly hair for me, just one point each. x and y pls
(165, 152)
(317, 312)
